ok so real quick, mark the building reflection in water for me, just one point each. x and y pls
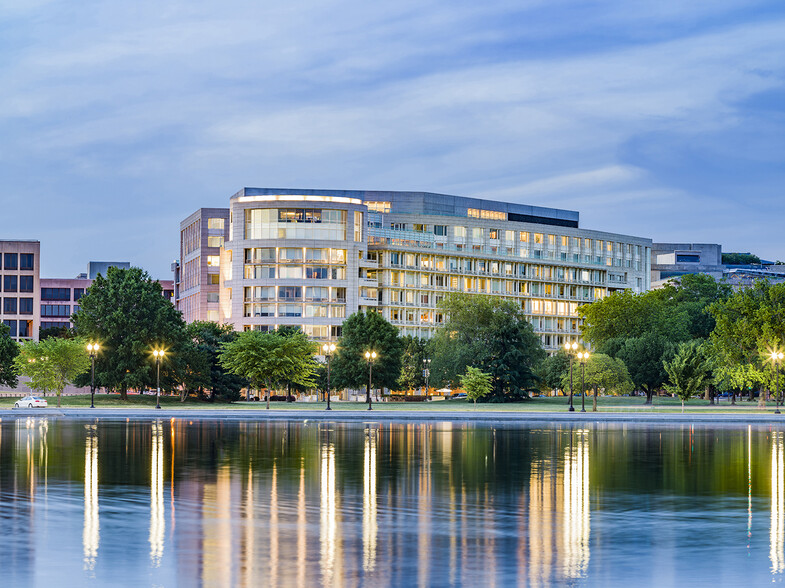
(777, 532)
(559, 514)
(370, 530)
(157, 521)
(90, 532)
(330, 550)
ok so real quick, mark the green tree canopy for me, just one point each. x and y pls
(490, 334)
(602, 372)
(206, 337)
(52, 364)
(8, 352)
(644, 356)
(739, 258)
(412, 363)
(365, 331)
(270, 359)
(476, 383)
(127, 315)
(688, 372)
(552, 369)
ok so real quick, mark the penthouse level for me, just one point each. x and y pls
(312, 257)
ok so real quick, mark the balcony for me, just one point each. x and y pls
(369, 263)
(364, 301)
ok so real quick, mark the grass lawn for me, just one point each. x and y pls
(558, 404)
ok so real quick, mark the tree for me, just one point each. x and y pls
(412, 363)
(207, 338)
(749, 325)
(687, 371)
(552, 369)
(126, 313)
(52, 364)
(8, 352)
(363, 332)
(644, 358)
(270, 359)
(493, 335)
(476, 383)
(602, 372)
(740, 259)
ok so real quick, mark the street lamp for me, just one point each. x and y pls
(92, 349)
(370, 356)
(583, 356)
(570, 348)
(777, 356)
(158, 354)
(328, 349)
(427, 373)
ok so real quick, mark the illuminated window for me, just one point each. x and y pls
(564, 241)
(215, 279)
(215, 223)
(538, 238)
(459, 232)
(523, 237)
(214, 241)
(486, 214)
(358, 226)
(493, 233)
(380, 206)
(213, 261)
(477, 233)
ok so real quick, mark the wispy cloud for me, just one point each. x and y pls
(616, 109)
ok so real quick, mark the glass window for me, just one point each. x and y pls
(523, 237)
(290, 254)
(26, 261)
(9, 283)
(215, 223)
(215, 279)
(316, 310)
(338, 256)
(213, 261)
(440, 230)
(55, 293)
(477, 233)
(292, 272)
(259, 272)
(55, 310)
(9, 305)
(378, 206)
(317, 255)
(12, 327)
(78, 293)
(418, 228)
(290, 292)
(11, 261)
(25, 283)
(290, 310)
(459, 232)
(25, 306)
(493, 233)
(509, 235)
(212, 297)
(215, 241)
(538, 238)
(358, 226)
(316, 293)
(316, 272)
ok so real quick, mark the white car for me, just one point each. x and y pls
(30, 402)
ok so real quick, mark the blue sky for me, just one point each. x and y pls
(659, 119)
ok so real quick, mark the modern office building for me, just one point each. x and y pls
(310, 258)
(20, 287)
(60, 299)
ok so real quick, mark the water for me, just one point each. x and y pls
(186, 503)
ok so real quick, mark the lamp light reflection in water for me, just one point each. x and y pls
(330, 556)
(90, 532)
(576, 505)
(370, 530)
(301, 528)
(157, 521)
(274, 527)
(777, 531)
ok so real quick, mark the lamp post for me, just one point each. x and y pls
(92, 349)
(777, 357)
(158, 354)
(370, 356)
(571, 347)
(427, 373)
(328, 349)
(583, 356)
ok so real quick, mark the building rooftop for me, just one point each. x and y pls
(429, 203)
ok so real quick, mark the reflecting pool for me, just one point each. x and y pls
(251, 503)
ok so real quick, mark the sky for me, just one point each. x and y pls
(662, 119)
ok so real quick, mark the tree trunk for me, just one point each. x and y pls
(682, 405)
(733, 397)
(58, 398)
(594, 400)
(649, 394)
(268, 394)
(762, 400)
(123, 392)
